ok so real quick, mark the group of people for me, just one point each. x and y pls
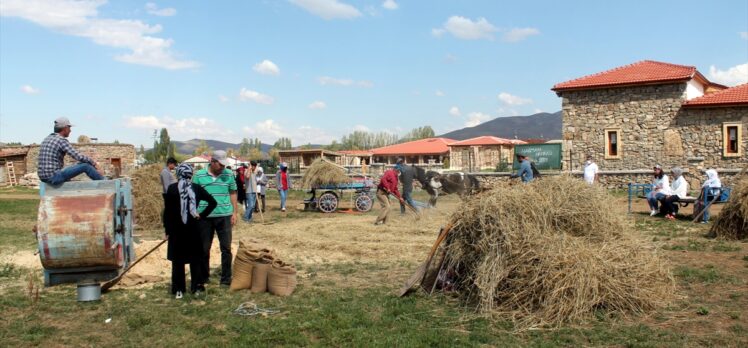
(388, 185)
(664, 196)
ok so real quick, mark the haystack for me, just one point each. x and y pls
(551, 252)
(323, 172)
(732, 222)
(147, 201)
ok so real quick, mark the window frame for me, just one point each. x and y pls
(619, 143)
(725, 139)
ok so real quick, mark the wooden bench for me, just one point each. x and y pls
(642, 190)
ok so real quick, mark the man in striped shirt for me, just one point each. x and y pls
(221, 184)
(52, 157)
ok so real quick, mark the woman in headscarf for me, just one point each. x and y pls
(180, 229)
(712, 187)
(262, 182)
(283, 184)
(679, 189)
(660, 188)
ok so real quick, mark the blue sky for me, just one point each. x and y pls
(315, 70)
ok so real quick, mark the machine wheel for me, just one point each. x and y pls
(328, 202)
(364, 203)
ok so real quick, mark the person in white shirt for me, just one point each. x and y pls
(678, 190)
(590, 171)
(660, 188)
(712, 187)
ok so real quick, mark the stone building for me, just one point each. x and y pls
(299, 160)
(482, 153)
(635, 116)
(429, 151)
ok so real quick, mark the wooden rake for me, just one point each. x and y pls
(420, 273)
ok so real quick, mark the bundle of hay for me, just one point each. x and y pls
(147, 201)
(553, 252)
(323, 172)
(732, 222)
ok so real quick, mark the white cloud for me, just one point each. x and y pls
(80, 18)
(328, 9)
(311, 135)
(266, 67)
(223, 98)
(326, 80)
(317, 105)
(476, 118)
(181, 128)
(466, 29)
(257, 97)
(153, 9)
(455, 111)
(730, 77)
(390, 5)
(519, 34)
(29, 90)
(265, 130)
(361, 128)
(743, 35)
(509, 99)
(439, 93)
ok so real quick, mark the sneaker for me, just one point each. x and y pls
(179, 295)
(670, 217)
(653, 212)
(283, 210)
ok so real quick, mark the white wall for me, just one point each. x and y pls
(694, 89)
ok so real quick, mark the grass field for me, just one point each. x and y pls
(348, 273)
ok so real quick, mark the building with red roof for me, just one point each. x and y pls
(632, 117)
(423, 151)
(484, 152)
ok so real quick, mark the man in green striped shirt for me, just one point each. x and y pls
(221, 184)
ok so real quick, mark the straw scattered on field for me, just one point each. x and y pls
(732, 222)
(323, 172)
(553, 252)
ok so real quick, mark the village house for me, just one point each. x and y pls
(635, 116)
(429, 151)
(482, 153)
(299, 160)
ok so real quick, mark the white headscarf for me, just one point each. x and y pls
(712, 179)
(187, 201)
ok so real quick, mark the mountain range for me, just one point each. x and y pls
(538, 126)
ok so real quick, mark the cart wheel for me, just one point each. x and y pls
(328, 202)
(363, 203)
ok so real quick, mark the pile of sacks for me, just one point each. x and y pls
(256, 268)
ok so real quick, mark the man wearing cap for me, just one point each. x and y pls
(52, 155)
(221, 184)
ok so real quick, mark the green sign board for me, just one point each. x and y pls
(545, 156)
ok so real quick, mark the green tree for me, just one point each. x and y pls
(163, 147)
(274, 155)
(283, 144)
(255, 154)
(244, 148)
(419, 133)
(202, 148)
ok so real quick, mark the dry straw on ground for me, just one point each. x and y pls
(148, 202)
(553, 252)
(732, 222)
(323, 172)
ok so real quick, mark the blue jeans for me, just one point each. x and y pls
(283, 195)
(408, 198)
(250, 206)
(70, 172)
(653, 197)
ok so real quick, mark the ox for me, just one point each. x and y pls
(433, 182)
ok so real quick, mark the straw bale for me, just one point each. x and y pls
(148, 203)
(732, 222)
(323, 172)
(553, 252)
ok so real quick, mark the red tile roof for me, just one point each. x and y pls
(429, 146)
(643, 72)
(737, 95)
(486, 140)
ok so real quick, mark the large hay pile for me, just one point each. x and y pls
(732, 222)
(551, 252)
(148, 203)
(323, 172)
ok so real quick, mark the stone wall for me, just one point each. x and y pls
(106, 155)
(655, 129)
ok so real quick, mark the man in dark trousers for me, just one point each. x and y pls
(221, 184)
(407, 173)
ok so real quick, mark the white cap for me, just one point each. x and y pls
(220, 156)
(62, 122)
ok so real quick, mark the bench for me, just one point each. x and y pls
(642, 190)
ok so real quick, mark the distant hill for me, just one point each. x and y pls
(189, 146)
(541, 125)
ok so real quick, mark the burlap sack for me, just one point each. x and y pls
(241, 276)
(259, 277)
(281, 279)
